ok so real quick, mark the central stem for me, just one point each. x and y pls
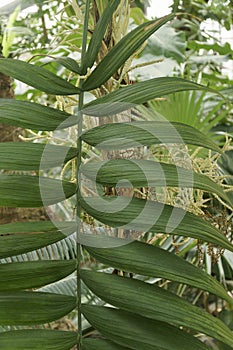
(78, 194)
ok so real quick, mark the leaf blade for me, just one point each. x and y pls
(33, 191)
(155, 303)
(34, 235)
(37, 77)
(137, 134)
(137, 332)
(147, 173)
(30, 308)
(132, 95)
(98, 35)
(122, 51)
(150, 216)
(41, 339)
(34, 116)
(33, 274)
(146, 259)
(29, 156)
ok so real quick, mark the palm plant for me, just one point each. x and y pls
(142, 315)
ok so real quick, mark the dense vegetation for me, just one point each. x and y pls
(116, 179)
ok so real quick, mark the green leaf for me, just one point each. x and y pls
(98, 35)
(130, 96)
(135, 134)
(100, 344)
(37, 77)
(30, 308)
(34, 116)
(150, 216)
(120, 53)
(37, 339)
(33, 156)
(22, 237)
(137, 332)
(146, 173)
(33, 274)
(155, 303)
(33, 191)
(69, 63)
(148, 260)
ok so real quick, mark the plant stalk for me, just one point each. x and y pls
(78, 193)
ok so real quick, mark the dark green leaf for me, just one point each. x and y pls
(148, 260)
(146, 173)
(22, 237)
(33, 156)
(33, 274)
(135, 134)
(101, 344)
(98, 34)
(33, 191)
(30, 308)
(130, 96)
(137, 332)
(150, 216)
(70, 64)
(120, 53)
(37, 77)
(154, 302)
(33, 116)
(37, 339)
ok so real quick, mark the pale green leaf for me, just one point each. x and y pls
(146, 173)
(150, 216)
(148, 260)
(37, 77)
(33, 274)
(98, 35)
(137, 332)
(37, 339)
(30, 308)
(130, 96)
(33, 116)
(120, 53)
(33, 156)
(135, 134)
(22, 237)
(155, 303)
(33, 191)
